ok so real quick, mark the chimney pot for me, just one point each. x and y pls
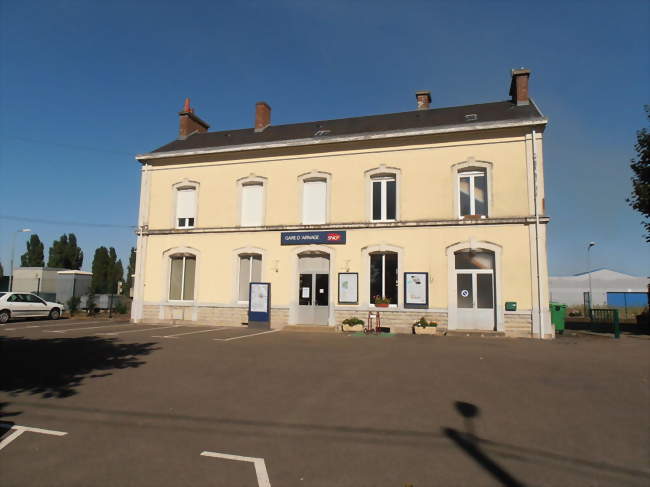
(262, 116)
(424, 99)
(519, 86)
(189, 123)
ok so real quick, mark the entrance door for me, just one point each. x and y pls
(475, 290)
(313, 290)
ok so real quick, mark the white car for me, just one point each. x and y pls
(26, 305)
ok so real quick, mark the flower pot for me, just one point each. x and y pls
(382, 305)
(425, 330)
(352, 328)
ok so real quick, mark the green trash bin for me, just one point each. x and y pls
(558, 311)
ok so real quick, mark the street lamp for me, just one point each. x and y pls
(591, 244)
(13, 247)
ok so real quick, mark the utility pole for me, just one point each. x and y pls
(591, 244)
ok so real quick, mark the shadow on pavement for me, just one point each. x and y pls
(57, 367)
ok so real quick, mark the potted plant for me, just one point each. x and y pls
(352, 324)
(424, 327)
(382, 301)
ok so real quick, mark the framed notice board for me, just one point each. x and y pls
(416, 289)
(348, 287)
(259, 303)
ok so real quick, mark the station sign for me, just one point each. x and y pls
(304, 238)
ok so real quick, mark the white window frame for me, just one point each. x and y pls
(315, 176)
(465, 168)
(472, 175)
(180, 186)
(169, 281)
(380, 173)
(252, 179)
(250, 256)
(383, 276)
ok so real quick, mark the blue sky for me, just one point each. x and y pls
(85, 85)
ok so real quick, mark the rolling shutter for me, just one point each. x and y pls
(314, 200)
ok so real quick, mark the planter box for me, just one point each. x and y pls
(382, 305)
(429, 330)
(352, 328)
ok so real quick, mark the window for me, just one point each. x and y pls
(252, 204)
(384, 197)
(472, 192)
(250, 270)
(185, 207)
(383, 276)
(181, 278)
(314, 201)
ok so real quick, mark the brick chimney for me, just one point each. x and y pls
(519, 86)
(424, 99)
(262, 116)
(189, 122)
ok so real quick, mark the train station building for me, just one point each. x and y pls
(435, 212)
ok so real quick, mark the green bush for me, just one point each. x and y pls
(91, 306)
(120, 308)
(352, 321)
(423, 323)
(73, 305)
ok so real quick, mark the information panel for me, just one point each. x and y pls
(335, 237)
(348, 288)
(259, 304)
(416, 289)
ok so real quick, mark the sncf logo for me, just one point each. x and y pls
(333, 237)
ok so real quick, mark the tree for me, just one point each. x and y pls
(130, 271)
(107, 270)
(65, 253)
(34, 255)
(640, 199)
(2, 272)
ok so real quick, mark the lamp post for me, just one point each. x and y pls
(591, 244)
(13, 250)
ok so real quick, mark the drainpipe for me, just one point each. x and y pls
(536, 209)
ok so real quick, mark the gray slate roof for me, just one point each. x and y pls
(501, 111)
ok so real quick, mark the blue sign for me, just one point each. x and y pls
(303, 238)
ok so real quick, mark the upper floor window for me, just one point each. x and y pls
(252, 204)
(250, 270)
(185, 207)
(314, 201)
(181, 277)
(472, 192)
(384, 197)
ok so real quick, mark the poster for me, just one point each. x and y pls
(259, 298)
(416, 289)
(348, 287)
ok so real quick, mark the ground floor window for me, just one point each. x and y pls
(250, 270)
(383, 276)
(181, 279)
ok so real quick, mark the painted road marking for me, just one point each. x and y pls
(189, 333)
(57, 324)
(19, 430)
(260, 466)
(136, 331)
(77, 329)
(244, 336)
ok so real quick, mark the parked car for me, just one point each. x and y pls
(26, 305)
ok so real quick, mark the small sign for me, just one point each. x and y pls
(305, 292)
(511, 306)
(304, 238)
(464, 293)
(348, 287)
(416, 289)
(259, 304)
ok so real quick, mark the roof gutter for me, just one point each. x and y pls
(345, 138)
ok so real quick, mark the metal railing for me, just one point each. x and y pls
(606, 316)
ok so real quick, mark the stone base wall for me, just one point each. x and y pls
(519, 325)
(208, 315)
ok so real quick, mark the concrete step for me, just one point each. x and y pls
(479, 333)
(310, 328)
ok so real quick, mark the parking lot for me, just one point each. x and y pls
(88, 403)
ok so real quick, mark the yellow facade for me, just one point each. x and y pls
(426, 227)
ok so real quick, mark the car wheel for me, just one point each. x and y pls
(4, 316)
(55, 314)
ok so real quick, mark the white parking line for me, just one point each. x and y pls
(49, 326)
(137, 331)
(260, 466)
(244, 336)
(189, 333)
(19, 430)
(89, 328)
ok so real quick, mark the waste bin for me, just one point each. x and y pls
(558, 311)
